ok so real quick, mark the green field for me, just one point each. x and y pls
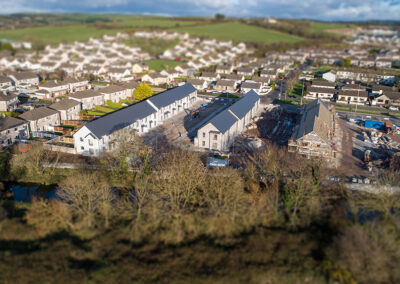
(318, 27)
(155, 22)
(239, 32)
(161, 64)
(55, 34)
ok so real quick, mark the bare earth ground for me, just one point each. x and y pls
(350, 159)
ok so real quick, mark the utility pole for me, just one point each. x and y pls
(280, 90)
(302, 92)
(358, 95)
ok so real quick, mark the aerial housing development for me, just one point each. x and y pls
(240, 148)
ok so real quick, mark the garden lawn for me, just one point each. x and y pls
(161, 64)
(297, 90)
(114, 105)
(239, 32)
(104, 109)
(96, 113)
(127, 101)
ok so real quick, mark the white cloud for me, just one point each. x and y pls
(313, 9)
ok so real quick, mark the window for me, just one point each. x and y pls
(215, 145)
(15, 129)
(204, 135)
(91, 151)
(90, 142)
(82, 148)
(81, 139)
(203, 143)
(215, 136)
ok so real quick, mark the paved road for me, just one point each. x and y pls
(279, 91)
(359, 116)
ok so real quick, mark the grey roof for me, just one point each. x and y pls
(170, 96)
(245, 70)
(195, 81)
(111, 89)
(352, 87)
(10, 122)
(25, 75)
(52, 84)
(86, 94)
(323, 84)
(130, 84)
(353, 93)
(392, 95)
(209, 75)
(122, 118)
(233, 77)
(5, 98)
(226, 83)
(243, 106)
(382, 88)
(224, 67)
(269, 72)
(4, 79)
(37, 113)
(64, 104)
(321, 90)
(316, 118)
(71, 80)
(260, 79)
(250, 85)
(223, 121)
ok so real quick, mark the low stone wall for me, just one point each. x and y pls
(58, 148)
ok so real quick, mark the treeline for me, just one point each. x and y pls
(150, 216)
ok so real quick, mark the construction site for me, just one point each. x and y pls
(373, 145)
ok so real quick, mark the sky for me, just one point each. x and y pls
(327, 10)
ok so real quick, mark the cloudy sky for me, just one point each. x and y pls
(310, 9)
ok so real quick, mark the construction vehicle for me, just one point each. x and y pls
(195, 114)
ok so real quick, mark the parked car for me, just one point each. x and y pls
(393, 108)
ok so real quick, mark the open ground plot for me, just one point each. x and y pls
(276, 126)
(238, 32)
(357, 140)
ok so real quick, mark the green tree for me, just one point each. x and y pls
(142, 92)
(7, 46)
(219, 17)
(347, 62)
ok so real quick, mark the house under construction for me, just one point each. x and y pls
(314, 136)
